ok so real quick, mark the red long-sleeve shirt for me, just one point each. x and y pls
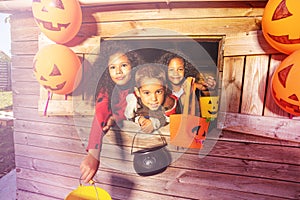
(103, 112)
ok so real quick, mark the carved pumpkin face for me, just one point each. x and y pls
(280, 25)
(200, 132)
(59, 20)
(57, 68)
(285, 84)
(209, 106)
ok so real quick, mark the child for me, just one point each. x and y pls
(113, 87)
(151, 104)
(178, 69)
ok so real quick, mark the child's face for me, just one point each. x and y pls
(176, 71)
(152, 93)
(119, 68)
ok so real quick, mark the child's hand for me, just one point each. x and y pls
(89, 165)
(205, 82)
(146, 125)
(131, 107)
(110, 123)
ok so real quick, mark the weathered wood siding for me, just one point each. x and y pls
(240, 166)
(5, 76)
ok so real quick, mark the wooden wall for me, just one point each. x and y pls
(49, 149)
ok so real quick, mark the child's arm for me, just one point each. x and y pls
(90, 165)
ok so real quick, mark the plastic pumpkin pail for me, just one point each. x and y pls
(88, 193)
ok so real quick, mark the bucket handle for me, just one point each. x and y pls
(93, 183)
(161, 136)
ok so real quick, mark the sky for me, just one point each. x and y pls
(4, 34)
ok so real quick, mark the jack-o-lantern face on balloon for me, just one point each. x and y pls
(59, 20)
(280, 25)
(57, 68)
(285, 84)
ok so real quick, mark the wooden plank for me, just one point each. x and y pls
(22, 20)
(26, 100)
(22, 61)
(232, 84)
(277, 128)
(254, 85)
(25, 195)
(42, 153)
(210, 26)
(32, 88)
(22, 113)
(271, 109)
(44, 141)
(26, 33)
(24, 48)
(65, 108)
(88, 45)
(23, 74)
(25, 5)
(50, 129)
(234, 184)
(41, 189)
(247, 43)
(241, 137)
(79, 103)
(171, 11)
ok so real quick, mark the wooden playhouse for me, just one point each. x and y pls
(256, 155)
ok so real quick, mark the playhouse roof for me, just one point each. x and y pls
(25, 5)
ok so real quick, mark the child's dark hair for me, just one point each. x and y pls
(108, 48)
(166, 57)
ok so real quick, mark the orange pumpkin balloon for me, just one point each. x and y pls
(59, 20)
(285, 84)
(280, 25)
(57, 68)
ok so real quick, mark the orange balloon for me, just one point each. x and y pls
(280, 25)
(285, 84)
(57, 68)
(59, 20)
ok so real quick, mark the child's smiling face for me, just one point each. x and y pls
(176, 71)
(151, 92)
(119, 68)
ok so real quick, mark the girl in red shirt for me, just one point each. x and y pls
(113, 87)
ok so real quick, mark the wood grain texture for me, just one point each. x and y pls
(257, 159)
(254, 86)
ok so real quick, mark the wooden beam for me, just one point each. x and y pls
(282, 129)
(25, 5)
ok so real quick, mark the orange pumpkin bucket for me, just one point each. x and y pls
(90, 192)
(186, 129)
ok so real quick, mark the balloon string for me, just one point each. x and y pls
(47, 103)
